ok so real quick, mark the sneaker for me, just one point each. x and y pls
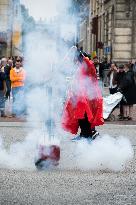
(76, 138)
(95, 134)
(120, 117)
(125, 118)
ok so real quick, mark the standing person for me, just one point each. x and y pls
(2, 92)
(84, 107)
(133, 69)
(119, 79)
(128, 88)
(7, 69)
(17, 77)
(3, 64)
(111, 75)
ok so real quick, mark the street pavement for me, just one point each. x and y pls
(66, 184)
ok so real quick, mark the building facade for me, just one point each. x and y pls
(10, 28)
(120, 30)
(110, 29)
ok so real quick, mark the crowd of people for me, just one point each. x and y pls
(12, 78)
(122, 79)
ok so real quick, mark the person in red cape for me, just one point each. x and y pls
(84, 106)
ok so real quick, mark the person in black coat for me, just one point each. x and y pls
(118, 80)
(7, 69)
(128, 89)
(2, 92)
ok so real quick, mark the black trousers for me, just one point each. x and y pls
(85, 126)
(113, 90)
(8, 84)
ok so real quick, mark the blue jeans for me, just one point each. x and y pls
(18, 100)
(2, 100)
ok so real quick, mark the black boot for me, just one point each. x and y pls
(85, 127)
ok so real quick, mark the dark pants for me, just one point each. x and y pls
(2, 100)
(8, 85)
(85, 126)
(113, 90)
(121, 107)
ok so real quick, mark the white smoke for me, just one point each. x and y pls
(46, 9)
(21, 155)
(104, 153)
(48, 67)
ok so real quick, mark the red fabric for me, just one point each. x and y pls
(84, 97)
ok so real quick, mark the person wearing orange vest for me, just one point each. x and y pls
(17, 77)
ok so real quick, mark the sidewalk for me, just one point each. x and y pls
(122, 122)
(106, 92)
(115, 113)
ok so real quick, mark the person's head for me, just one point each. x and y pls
(113, 66)
(18, 64)
(133, 61)
(3, 61)
(95, 60)
(10, 62)
(127, 67)
(121, 68)
(105, 60)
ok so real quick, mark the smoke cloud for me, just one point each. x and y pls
(46, 9)
(49, 67)
(104, 153)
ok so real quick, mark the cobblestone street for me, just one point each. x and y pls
(66, 185)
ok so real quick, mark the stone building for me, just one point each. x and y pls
(120, 29)
(110, 29)
(10, 28)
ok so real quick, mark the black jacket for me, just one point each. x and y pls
(7, 69)
(128, 87)
(2, 78)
